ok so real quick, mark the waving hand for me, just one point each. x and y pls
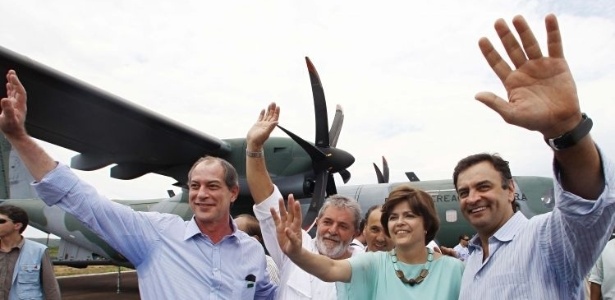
(541, 92)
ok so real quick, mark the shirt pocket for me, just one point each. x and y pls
(28, 282)
(243, 289)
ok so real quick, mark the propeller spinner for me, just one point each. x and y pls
(326, 159)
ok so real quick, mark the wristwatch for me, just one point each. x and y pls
(573, 136)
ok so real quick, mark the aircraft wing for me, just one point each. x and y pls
(106, 129)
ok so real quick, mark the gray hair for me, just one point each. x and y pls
(344, 202)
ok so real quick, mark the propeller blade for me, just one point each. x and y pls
(318, 198)
(331, 189)
(332, 160)
(383, 177)
(336, 126)
(345, 175)
(378, 174)
(320, 107)
(326, 159)
(312, 151)
(385, 170)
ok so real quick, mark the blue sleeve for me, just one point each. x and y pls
(129, 232)
(578, 229)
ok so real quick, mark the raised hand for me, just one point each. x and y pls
(288, 226)
(13, 107)
(541, 92)
(260, 131)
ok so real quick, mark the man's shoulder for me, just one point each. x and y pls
(450, 261)
(34, 244)
(247, 241)
(164, 221)
(244, 237)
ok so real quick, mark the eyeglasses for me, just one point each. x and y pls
(466, 239)
(2, 221)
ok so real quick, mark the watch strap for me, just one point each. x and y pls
(573, 136)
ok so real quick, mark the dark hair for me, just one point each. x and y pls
(464, 236)
(498, 163)
(369, 212)
(420, 203)
(231, 178)
(16, 214)
(362, 224)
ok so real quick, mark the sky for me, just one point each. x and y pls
(405, 72)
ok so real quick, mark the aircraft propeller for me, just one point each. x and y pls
(326, 159)
(383, 177)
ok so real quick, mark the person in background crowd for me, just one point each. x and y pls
(461, 250)
(26, 271)
(377, 239)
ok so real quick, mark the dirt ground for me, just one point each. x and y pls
(100, 287)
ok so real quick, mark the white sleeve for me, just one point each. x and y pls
(270, 237)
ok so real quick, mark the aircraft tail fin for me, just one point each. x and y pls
(412, 177)
(14, 177)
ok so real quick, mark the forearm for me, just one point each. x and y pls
(38, 162)
(580, 169)
(595, 292)
(325, 268)
(259, 182)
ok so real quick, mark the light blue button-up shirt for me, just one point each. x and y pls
(547, 256)
(174, 260)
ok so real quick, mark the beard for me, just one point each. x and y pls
(334, 251)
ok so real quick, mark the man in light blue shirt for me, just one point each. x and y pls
(203, 258)
(461, 250)
(548, 256)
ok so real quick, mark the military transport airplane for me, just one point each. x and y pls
(105, 129)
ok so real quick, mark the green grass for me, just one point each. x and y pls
(53, 252)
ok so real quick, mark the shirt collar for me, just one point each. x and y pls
(505, 234)
(192, 229)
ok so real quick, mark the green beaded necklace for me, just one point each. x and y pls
(418, 279)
